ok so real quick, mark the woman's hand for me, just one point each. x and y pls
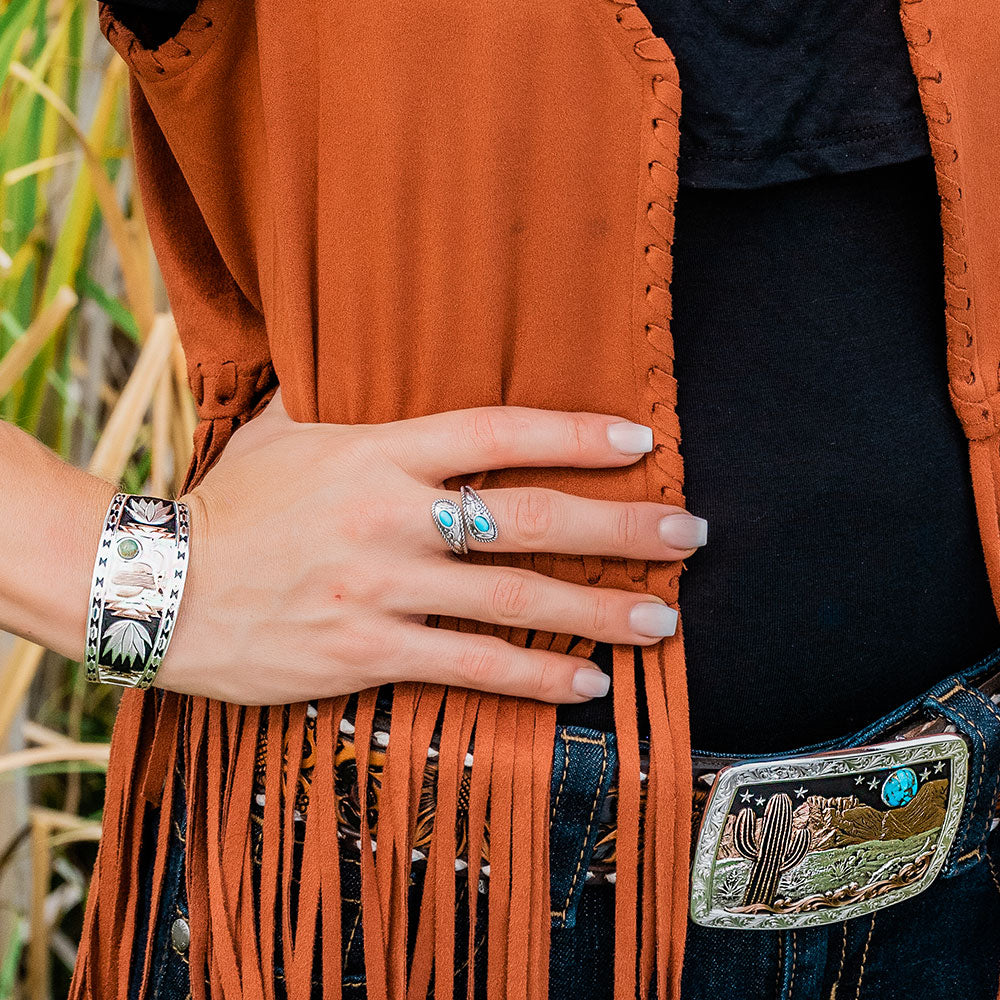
(315, 560)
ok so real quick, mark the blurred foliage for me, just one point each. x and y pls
(90, 368)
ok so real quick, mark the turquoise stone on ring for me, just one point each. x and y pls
(448, 519)
(478, 517)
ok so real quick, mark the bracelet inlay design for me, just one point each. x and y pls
(138, 582)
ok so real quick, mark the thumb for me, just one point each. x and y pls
(272, 420)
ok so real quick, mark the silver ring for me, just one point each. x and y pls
(479, 520)
(450, 522)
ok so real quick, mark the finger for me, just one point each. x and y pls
(440, 445)
(525, 599)
(489, 663)
(538, 519)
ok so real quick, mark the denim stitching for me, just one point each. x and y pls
(982, 766)
(590, 821)
(350, 938)
(957, 686)
(791, 981)
(864, 957)
(840, 967)
(562, 780)
(781, 965)
(993, 871)
(992, 709)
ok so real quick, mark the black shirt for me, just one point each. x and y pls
(773, 90)
(843, 573)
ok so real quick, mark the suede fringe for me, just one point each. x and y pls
(233, 923)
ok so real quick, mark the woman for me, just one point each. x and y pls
(447, 233)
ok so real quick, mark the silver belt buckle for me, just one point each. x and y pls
(804, 841)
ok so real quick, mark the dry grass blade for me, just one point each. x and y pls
(160, 442)
(188, 414)
(27, 346)
(88, 831)
(57, 819)
(57, 753)
(116, 443)
(18, 673)
(35, 732)
(41, 873)
(17, 174)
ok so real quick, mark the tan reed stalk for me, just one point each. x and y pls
(23, 351)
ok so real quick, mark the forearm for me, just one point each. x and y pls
(50, 523)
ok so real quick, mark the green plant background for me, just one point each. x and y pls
(79, 294)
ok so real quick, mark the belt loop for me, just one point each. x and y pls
(976, 717)
(583, 764)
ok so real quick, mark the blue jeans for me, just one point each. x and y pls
(943, 944)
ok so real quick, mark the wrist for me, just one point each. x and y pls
(186, 656)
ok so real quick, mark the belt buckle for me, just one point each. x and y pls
(803, 841)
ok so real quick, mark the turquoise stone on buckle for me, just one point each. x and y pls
(802, 841)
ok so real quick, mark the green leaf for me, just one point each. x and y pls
(116, 312)
(11, 960)
(13, 21)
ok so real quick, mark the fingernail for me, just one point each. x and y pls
(591, 682)
(629, 438)
(684, 531)
(649, 618)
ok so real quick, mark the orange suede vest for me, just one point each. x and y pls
(425, 206)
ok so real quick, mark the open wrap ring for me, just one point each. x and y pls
(450, 522)
(479, 520)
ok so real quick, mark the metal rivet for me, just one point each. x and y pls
(180, 934)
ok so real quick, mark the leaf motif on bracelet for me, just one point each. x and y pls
(127, 640)
(150, 511)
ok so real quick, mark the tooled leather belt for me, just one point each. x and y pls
(784, 841)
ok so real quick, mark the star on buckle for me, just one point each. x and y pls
(802, 841)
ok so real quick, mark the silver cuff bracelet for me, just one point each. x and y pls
(137, 585)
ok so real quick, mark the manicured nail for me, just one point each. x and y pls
(684, 531)
(629, 438)
(591, 682)
(649, 618)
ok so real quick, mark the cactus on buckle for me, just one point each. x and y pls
(775, 849)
